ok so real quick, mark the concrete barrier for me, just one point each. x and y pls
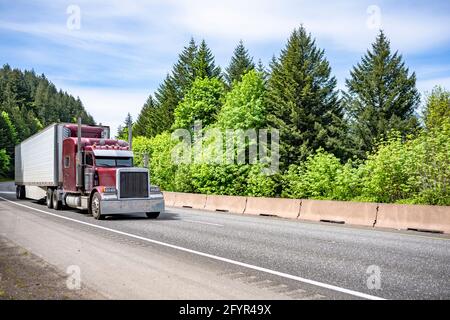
(414, 217)
(397, 216)
(234, 204)
(169, 198)
(190, 200)
(357, 213)
(285, 208)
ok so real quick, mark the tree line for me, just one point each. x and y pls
(28, 103)
(347, 145)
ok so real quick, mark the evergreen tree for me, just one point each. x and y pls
(204, 63)
(122, 130)
(240, 64)
(381, 97)
(148, 122)
(302, 101)
(193, 62)
(262, 71)
(184, 70)
(167, 99)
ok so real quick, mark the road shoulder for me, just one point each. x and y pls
(25, 276)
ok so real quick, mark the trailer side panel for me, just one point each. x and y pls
(36, 160)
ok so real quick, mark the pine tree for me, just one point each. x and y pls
(381, 97)
(204, 63)
(262, 71)
(241, 63)
(149, 120)
(122, 130)
(167, 99)
(184, 70)
(302, 101)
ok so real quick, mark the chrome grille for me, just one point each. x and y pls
(133, 184)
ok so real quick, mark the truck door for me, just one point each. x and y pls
(89, 171)
(68, 165)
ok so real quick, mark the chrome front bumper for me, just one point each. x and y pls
(112, 205)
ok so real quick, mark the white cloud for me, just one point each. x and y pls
(427, 85)
(342, 23)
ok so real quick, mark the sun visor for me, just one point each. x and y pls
(113, 153)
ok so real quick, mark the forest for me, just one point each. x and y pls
(28, 103)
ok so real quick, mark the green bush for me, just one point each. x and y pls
(312, 179)
(159, 148)
(202, 102)
(260, 185)
(413, 171)
(4, 163)
(244, 105)
(390, 174)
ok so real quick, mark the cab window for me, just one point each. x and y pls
(66, 162)
(89, 159)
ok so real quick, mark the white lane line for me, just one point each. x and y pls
(211, 256)
(8, 192)
(203, 222)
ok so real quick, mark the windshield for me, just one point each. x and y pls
(113, 162)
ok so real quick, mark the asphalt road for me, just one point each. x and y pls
(191, 254)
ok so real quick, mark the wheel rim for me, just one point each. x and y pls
(95, 206)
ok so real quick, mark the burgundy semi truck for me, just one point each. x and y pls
(80, 167)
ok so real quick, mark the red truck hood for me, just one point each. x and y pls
(106, 176)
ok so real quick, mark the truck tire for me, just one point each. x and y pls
(57, 204)
(20, 192)
(49, 198)
(95, 207)
(152, 215)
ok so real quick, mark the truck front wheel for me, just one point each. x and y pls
(152, 215)
(20, 192)
(95, 207)
(49, 198)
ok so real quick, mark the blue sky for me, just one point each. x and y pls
(122, 50)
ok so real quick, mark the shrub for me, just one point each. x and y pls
(4, 163)
(159, 148)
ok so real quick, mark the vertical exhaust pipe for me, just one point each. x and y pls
(130, 135)
(79, 177)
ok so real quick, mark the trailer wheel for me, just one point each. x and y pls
(95, 207)
(57, 204)
(49, 198)
(152, 215)
(20, 192)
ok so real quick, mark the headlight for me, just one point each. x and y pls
(109, 190)
(155, 189)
